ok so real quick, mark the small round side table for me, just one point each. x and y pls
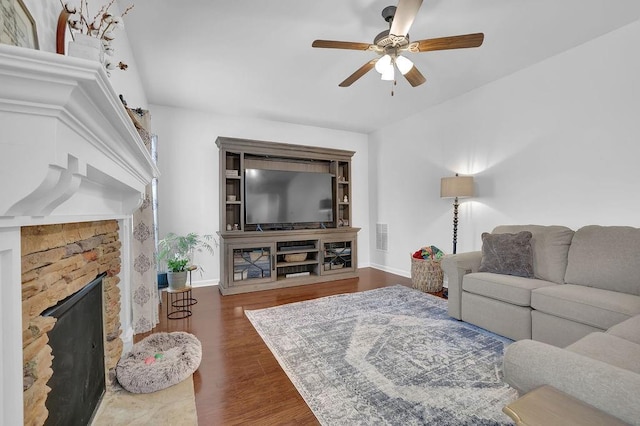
(179, 302)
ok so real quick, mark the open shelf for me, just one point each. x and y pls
(297, 259)
(343, 194)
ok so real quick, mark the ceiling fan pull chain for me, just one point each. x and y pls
(393, 83)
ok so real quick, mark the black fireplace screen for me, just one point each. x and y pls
(78, 380)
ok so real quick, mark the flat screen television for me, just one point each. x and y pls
(282, 197)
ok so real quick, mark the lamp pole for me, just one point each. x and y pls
(455, 224)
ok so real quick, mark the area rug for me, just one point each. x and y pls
(387, 356)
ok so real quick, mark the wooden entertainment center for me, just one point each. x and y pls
(274, 255)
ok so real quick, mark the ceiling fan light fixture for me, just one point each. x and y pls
(404, 64)
(384, 64)
(388, 74)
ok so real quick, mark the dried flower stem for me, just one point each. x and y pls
(101, 25)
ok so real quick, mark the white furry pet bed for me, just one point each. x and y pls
(159, 361)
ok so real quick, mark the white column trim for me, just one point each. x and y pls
(126, 310)
(10, 328)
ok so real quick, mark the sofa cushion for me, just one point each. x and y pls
(550, 246)
(558, 331)
(506, 319)
(507, 254)
(628, 329)
(506, 288)
(587, 305)
(610, 349)
(605, 257)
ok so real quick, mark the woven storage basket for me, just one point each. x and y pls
(426, 275)
(295, 257)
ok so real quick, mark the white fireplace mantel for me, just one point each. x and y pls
(68, 153)
(68, 146)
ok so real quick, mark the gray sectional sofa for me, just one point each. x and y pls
(575, 312)
(583, 281)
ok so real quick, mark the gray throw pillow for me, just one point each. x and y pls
(508, 254)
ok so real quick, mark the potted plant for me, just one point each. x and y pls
(176, 251)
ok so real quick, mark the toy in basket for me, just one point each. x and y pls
(426, 273)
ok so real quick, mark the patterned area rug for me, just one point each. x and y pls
(387, 356)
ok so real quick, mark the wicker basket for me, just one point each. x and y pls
(426, 275)
(295, 257)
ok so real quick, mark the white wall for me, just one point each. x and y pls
(127, 83)
(556, 143)
(188, 161)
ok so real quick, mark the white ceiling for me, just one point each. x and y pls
(254, 58)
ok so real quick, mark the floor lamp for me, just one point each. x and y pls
(456, 187)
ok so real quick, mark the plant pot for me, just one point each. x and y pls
(177, 280)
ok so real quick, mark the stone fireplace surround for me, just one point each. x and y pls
(57, 261)
(69, 154)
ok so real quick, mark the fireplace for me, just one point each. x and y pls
(74, 160)
(77, 346)
(59, 265)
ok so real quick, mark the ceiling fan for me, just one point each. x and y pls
(391, 43)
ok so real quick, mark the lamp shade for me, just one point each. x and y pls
(383, 64)
(388, 74)
(404, 65)
(457, 186)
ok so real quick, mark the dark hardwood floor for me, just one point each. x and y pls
(239, 381)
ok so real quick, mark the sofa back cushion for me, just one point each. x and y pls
(605, 257)
(550, 246)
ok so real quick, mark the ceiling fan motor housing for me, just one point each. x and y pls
(385, 39)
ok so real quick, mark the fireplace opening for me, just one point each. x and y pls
(77, 343)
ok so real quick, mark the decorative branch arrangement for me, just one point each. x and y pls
(100, 26)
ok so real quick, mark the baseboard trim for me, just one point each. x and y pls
(204, 283)
(384, 268)
(403, 273)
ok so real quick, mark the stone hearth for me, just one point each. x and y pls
(74, 164)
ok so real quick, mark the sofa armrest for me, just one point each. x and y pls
(455, 266)
(530, 364)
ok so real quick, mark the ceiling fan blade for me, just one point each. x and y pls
(359, 73)
(453, 42)
(415, 77)
(330, 44)
(406, 12)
